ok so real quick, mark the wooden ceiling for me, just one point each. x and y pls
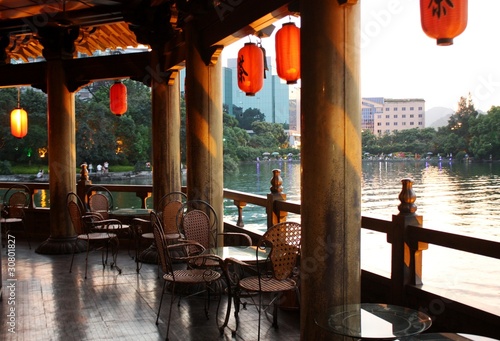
(115, 24)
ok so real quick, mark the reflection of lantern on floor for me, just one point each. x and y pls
(118, 98)
(250, 69)
(443, 20)
(19, 119)
(288, 53)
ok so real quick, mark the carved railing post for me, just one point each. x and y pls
(144, 198)
(273, 216)
(82, 183)
(240, 204)
(406, 262)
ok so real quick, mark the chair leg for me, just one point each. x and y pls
(87, 258)
(170, 310)
(161, 300)
(114, 253)
(27, 234)
(73, 256)
(260, 310)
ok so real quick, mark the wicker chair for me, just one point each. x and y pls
(279, 273)
(167, 209)
(15, 200)
(198, 222)
(191, 277)
(84, 224)
(100, 201)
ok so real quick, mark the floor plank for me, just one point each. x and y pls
(53, 304)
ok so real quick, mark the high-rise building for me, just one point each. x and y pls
(272, 100)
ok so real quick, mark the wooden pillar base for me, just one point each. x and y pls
(60, 246)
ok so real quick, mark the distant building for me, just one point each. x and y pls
(384, 115)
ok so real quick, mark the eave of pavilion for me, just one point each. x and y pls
(217, 29)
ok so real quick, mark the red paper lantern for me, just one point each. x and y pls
(19, 123)
(118, 98)
(443, 20)
(288, 53)
(250, 69)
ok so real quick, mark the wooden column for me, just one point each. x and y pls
(331, 160)
(61, 139)
(204, 124)
(166, 130)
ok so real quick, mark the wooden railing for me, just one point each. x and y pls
(408, 240)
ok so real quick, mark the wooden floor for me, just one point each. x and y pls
(53, 304)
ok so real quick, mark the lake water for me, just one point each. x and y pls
(453, 197)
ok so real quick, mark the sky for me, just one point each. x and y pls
(398, 60)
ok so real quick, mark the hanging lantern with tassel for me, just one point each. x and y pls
(250, 69)
(19, 119)
(443, 20)
(288, 53)
(118, 98)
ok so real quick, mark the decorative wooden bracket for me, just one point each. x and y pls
(212, 54)
(347, 2)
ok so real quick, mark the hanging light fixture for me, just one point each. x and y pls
(118, 98)
(443, 20)
(19, 119)
(250, 69)
(288, 53)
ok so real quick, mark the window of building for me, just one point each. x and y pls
(379, 116)
(403, 108)
(419, 123)
(411, 123)
(420, 115)
(395, 109)
(403, 116)
(395, 116)
(411, 116)
(395, 123)
(387, 116)
(403, 123)
(411, 108)
(419, 108)
(387, 109)
(387, 123)
(379, 123)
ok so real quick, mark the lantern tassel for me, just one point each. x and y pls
(266, 68)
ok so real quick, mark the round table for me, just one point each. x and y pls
(373, 321)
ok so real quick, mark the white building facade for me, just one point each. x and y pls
(393, 115)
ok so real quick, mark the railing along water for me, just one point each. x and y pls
(404, 232)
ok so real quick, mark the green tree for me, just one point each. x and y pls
(485, 139)
(25, 149)
(459, 125)
(95, 132)
(248, 117)
(273, 130)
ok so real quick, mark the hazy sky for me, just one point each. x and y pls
(399, 61)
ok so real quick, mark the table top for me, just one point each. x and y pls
(131, 212)
(373, 321)
(448, 336)
(242, 253)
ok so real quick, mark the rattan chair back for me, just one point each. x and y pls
(161, 244)
(284, 240)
